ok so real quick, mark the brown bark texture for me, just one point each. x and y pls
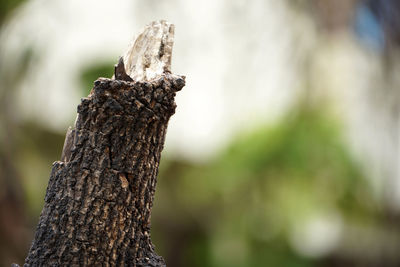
(99, 198)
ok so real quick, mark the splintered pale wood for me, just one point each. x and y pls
(149, 55)
(99, 197)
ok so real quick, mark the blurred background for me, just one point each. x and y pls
(285, 147)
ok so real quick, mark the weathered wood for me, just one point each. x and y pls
(150, 54)
(99, 197)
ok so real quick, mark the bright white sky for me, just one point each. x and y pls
(236, 56)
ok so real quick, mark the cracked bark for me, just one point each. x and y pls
(99, 197)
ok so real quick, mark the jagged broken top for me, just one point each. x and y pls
(149, 55)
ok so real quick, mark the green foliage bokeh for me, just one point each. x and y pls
(242, 207)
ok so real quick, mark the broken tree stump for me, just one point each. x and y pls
(99, 197)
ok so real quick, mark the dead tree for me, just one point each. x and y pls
(99, 197)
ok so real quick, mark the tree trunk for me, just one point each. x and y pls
(99, 197)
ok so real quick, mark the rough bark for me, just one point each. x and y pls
(99, 197)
